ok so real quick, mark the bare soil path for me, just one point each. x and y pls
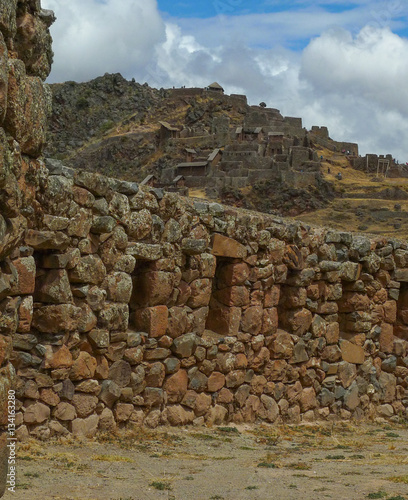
(342, 461)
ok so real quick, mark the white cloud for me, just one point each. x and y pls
(92, 38)
(359, 84)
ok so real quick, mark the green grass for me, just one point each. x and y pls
(161, 485)
(22, 486)
(379, 494)
(398, 479)
(32, 474)
(228, 429)
(204, 437)
(267, 465)
(335, 457)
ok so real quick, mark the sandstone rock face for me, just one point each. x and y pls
(124, 305)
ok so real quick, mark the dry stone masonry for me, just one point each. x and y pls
(25, 60)
(135, 306)
(122, 305)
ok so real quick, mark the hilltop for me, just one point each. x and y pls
(219, 147)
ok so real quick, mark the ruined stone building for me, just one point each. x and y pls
(127, 305)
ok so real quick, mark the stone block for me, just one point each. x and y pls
(192, 246)
(139, 224)
(99, 338)
(352, 301)
(85, 427)
(90, 269)
(110, 392)
(152, 288)
(282, 345)
(224, 320)
(297, 321)
(26, 270)
(84, 367)
(107, 421)
(56, 319)
(200, 293)
(58, 358)
(53, 287)
(251, 320)
(216, 381)
(234, 296)
(179, 322)
(269, 321)
(177, 415)
(293, 258)
(120, 372)
(119, 287)
(27, 108)
(272, 296)
(123, 411)
(222, 246)
(185, 345)
(152, 320)
(233, 274)
(6, 347)
(145, 251)
(386, 338)
(84, 404)
(114, 316)
(176, 386)
(352, 353)
(36, 413)
(155, 376)
(25, 315)
(350, 271)
(269, 410)
(47, 240)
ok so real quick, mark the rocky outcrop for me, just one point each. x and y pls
(92, 124)
(25, 61)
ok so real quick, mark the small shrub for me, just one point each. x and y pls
(399, 479)
(268, 465)
(379, 494)
(161, 485)
(228, 429)
(82, 103)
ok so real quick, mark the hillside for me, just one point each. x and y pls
(129, 130)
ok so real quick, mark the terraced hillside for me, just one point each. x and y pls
(363, 202)
(111, 126)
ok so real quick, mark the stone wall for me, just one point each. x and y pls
(150, 308)
(25, 60)
(126, 306)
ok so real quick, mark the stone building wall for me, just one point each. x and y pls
(150, 308)
(125, 306)
(25, 60)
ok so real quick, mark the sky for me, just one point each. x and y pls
(340, 64)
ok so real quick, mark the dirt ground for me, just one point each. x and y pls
(341, 461)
